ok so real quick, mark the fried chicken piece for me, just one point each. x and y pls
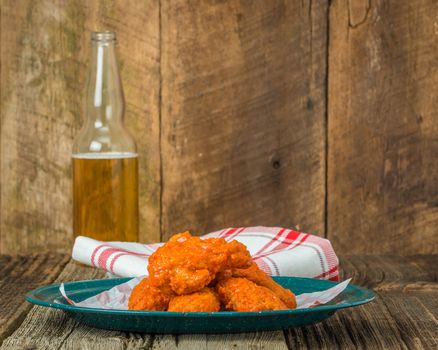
(187, 264)
(240, 294)
(149, 294)
(221, 275)
(180, 237)
(206, 300)
(254, 274)
(239, 256)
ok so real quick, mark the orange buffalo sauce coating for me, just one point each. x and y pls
(188, 263)
(206, 300)
(240, 294)
(181, 270)
(254, 274)
(149, 294)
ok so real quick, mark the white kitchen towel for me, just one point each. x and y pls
(277, 251)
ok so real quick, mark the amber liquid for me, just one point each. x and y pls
(105, 196)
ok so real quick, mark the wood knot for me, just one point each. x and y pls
(309, 104)
(276, 164)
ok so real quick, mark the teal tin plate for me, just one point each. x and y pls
(196, 322)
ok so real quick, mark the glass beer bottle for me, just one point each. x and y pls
(105, 168)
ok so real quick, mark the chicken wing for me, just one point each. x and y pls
(239, 256)
(187, 264)
(149, 294)
(240, 294)
(254, 274)
(206, 300)
(181, 270)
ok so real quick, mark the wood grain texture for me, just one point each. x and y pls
(243, 110)
(258, 340)
(418, 326)
(18, 275)
(390, 272)
(44, 51)
(45, 328)
(383, 129)
(368, 327)
(403, 316)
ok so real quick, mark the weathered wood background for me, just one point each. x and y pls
(318, 115)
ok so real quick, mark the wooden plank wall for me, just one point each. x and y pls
(44, 54)
(311, 114)
(383, 126)
(243, 113)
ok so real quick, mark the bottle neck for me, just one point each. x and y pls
(105, 102)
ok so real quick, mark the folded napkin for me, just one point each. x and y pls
(277, 251)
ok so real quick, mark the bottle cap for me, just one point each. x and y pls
(103, 36)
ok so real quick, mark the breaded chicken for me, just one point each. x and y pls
(149, 294)
(206, 300)
(181, 270)
(240, 294)
(239, 256)
(254, 274)
(187, 264)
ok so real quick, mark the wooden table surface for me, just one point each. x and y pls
(404, 315)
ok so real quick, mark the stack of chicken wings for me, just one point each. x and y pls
(189, 274)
